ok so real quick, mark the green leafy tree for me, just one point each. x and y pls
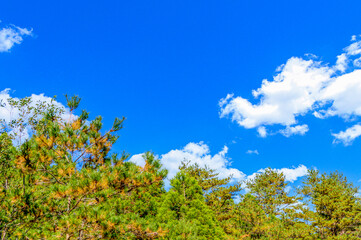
(251, 220)
(60, 179)
(219, 193)
(269, 211)
(184, 212)
(66, 184)
(10, 181)
(337, 209)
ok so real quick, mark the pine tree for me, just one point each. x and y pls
(269, 211)
(9, 186)
(251, 220)
(337, 209)
(219, 193)
(184, 212)
(66, 184)
(60, 179)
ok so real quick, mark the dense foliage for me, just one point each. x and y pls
(63, 181)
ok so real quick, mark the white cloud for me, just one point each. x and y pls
(9, 113)
(262, 131)
(301, 86)
(199, 153)
(341, 63)
(296, 130)
(343, 92)
(252, 152)
(196, 153)
(347, 136)
(291, 174)
(138, 159)
(11, 35)
(289, 95)
(354, 48)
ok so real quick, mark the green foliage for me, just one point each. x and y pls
(337, 208)
(218, 193)
(268, 211)
(184, 212)
(64, 183)
(60, 179)
(269, 190)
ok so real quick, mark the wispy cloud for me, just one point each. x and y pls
(302, 86)
(347, 136)
(262, 132)
(294, 130)
(11, 35)
(252, 152)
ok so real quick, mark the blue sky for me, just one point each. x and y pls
(165, 66)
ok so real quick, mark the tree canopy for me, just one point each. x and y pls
(61, 179)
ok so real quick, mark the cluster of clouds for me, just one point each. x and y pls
(11, 35)
(199, 153)
(301, 86)
(304, 86)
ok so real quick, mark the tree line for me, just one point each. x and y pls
(65, 182)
